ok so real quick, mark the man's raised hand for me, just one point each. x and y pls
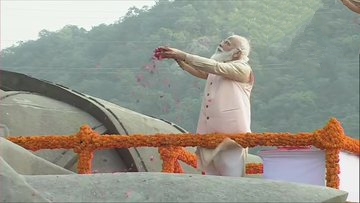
(171, 53)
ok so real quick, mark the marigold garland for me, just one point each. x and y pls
(332, 139)
(85, 162)
(332, 168)
(254, 168)
(173, 154)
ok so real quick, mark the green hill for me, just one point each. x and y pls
(298, 48)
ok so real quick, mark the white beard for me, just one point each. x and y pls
(222, 56)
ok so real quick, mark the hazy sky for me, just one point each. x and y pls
(23, 20)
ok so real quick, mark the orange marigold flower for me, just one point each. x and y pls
(332, 139)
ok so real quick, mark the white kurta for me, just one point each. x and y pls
(225, 109)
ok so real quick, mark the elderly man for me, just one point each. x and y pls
(226, 102)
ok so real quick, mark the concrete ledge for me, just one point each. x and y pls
(161, 187)
(14, 188)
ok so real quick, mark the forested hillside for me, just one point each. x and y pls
(305, 57)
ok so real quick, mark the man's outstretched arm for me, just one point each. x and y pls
(236, 70)
(192, 70)
(351, 6)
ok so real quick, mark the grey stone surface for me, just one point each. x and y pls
(14, 188)
(40, 115)
(161, 187)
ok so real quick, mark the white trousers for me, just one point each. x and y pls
(227, 159)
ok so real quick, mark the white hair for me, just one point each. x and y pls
(243, 46)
